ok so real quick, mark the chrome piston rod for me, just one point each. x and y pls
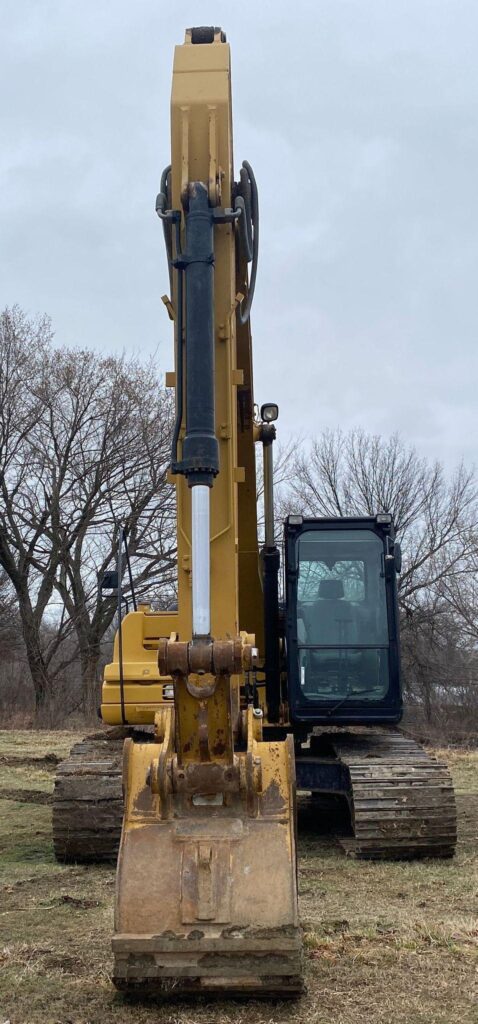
(201, 560)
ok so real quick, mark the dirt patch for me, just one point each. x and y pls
(68, 885)
(26, 796)
(77, 902)
(40, 959)
(65, 964)
(47, 761)
(46, 882)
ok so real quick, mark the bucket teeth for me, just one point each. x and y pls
(267, 966)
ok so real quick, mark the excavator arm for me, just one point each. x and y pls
(206, 882)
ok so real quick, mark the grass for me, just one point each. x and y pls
(384, 943)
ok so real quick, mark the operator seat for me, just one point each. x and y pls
(330, 619)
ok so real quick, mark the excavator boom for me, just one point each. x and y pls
(209, 805)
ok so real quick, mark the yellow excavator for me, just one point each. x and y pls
(222, 709)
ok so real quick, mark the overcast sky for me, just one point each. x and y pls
(360, 120)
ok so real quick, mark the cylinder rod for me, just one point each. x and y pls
(201, 570)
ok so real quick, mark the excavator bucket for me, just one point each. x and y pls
(206, 883)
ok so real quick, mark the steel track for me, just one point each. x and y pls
(402, 799)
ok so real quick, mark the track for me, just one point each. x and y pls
(402, 800)
(88, 802)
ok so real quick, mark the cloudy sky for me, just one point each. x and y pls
(360, 120)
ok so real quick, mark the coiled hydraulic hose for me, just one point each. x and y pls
(162, 204)
(248, 224)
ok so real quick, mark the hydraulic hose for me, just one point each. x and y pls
(164, 191)
(248, 201)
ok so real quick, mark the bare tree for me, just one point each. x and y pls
(24, 509)
(10, 633)
(83, 446)
(362, 474)
(441, 667)
(459, 593)
(355, 473)
(115, 421)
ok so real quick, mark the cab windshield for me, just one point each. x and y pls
(342, 626)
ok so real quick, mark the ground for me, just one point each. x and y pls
(384, 943)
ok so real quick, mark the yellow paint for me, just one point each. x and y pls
(201, 146)
(208, 839)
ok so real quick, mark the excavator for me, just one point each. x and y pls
(221, 710)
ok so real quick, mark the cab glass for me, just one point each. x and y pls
(342, 627)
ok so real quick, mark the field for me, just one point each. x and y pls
(384, 943)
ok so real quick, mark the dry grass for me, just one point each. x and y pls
(383, 942)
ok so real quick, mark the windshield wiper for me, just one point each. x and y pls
(363, 693)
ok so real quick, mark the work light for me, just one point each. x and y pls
(269, 412)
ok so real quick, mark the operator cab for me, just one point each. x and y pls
(342, 620)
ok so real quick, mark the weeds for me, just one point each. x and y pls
(383, 943)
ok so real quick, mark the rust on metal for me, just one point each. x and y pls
(202, 851)
(214, 657)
